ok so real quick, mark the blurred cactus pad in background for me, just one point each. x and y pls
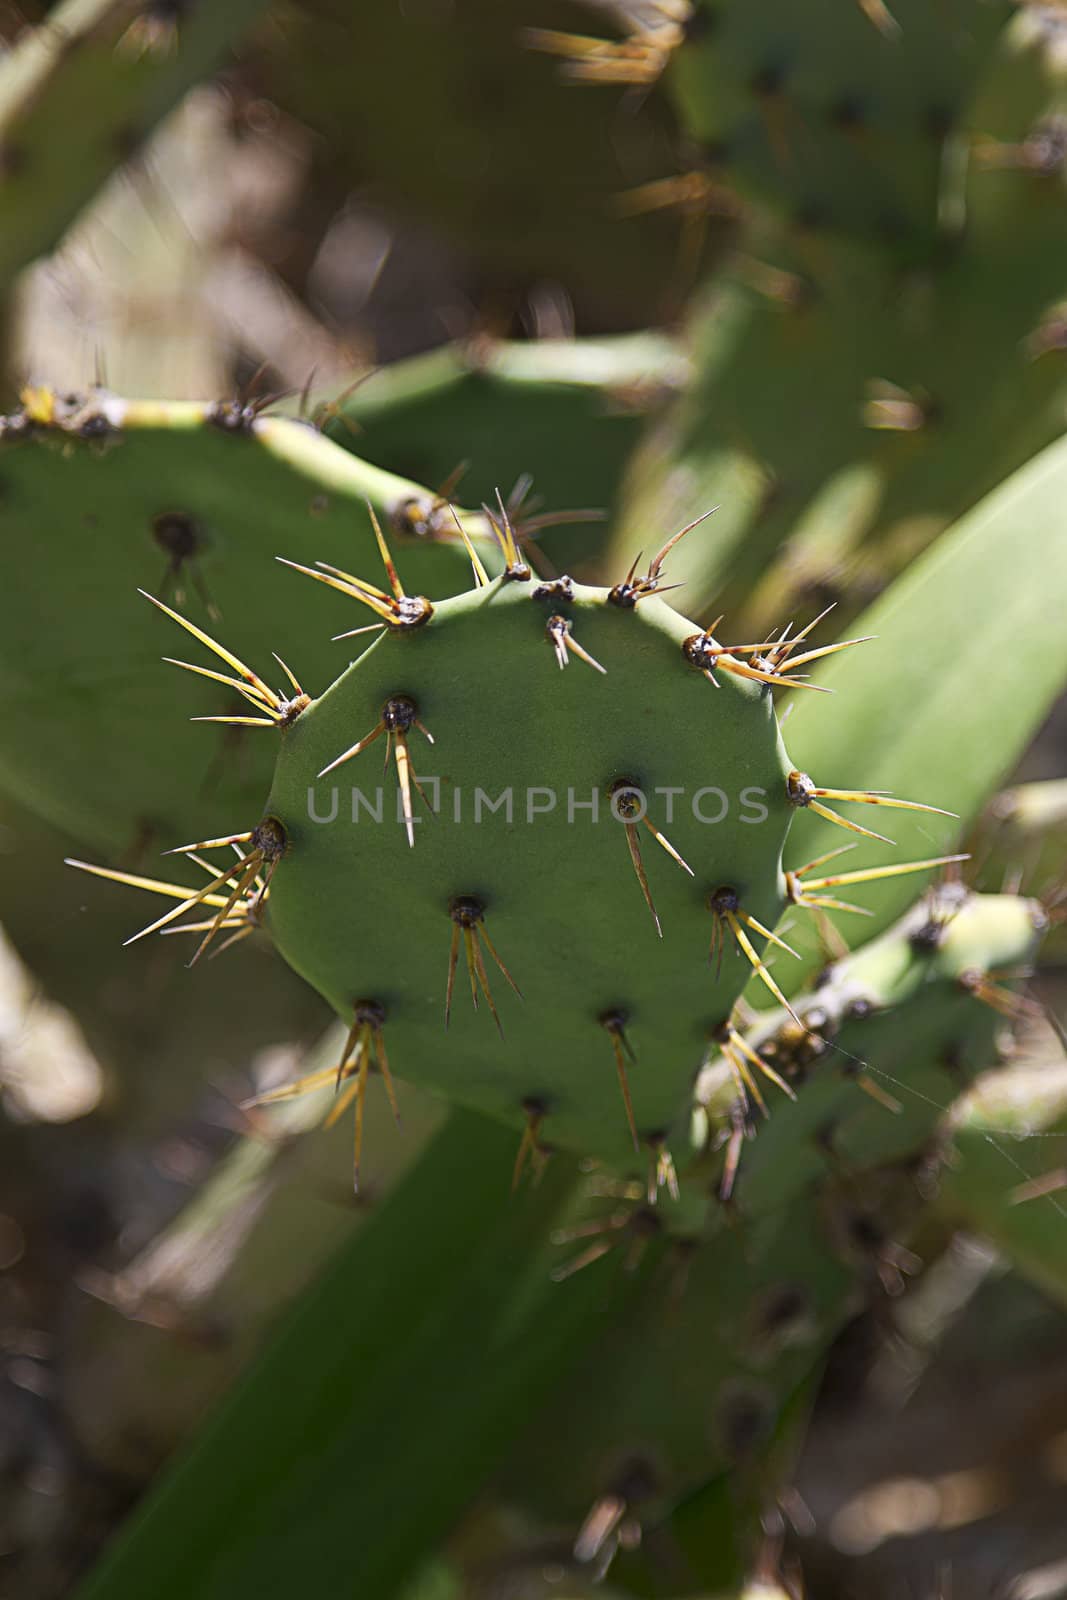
(533, 815)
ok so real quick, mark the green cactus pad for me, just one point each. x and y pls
(694, 1380)
(841, 120)
(189, 502)
(366, 918)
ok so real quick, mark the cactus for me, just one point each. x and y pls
(600, 1052)
(574, 1014)
(831, 500)
(550, 846)
(116, 496)
(832, 121)
(840, 122)
(592, 1006)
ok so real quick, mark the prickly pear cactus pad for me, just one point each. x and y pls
(842, 106)
(697, 1380)
(190, 503)
(513, 872)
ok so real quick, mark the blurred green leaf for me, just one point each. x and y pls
(382, 1407)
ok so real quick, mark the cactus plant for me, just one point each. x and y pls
(124, 496)
(597, 1056)
(611, 1005)
(841, 123)
(555, 853)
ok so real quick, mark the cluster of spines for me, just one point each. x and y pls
(638, 60)
(364, 1050)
